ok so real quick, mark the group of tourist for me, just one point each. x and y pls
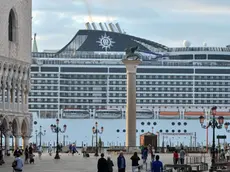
(104, 165)
(18, 162)
(176, 157)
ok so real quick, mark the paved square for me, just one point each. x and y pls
(69, 163)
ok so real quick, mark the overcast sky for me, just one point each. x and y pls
(168, 22)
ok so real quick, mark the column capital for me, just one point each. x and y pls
(131, 65)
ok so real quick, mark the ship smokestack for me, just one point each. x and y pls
(106, 27)
(111, 27)
(101, 26)
(118, 28)
(94, 26)
(114, 28)
(88, 26)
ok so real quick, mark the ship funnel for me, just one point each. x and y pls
(94, 26)
(111, 27)
(88, 26)
(101, 26)
(106, 27)
(118, 27)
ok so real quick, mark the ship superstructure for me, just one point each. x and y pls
(85, 82)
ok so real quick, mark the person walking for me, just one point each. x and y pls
(110, 164)
(18, 163)
(145, 155)
(182, 155)
(26, 155)
(135, 159)
(157, 166)
(175, 157)
(102, 165)
(121, 164)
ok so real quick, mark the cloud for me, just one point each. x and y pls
(166, 21)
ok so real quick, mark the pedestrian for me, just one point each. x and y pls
(17, 151)
(110, 164)
(135, 159)
(102, 165)
(18, 163)
(175, 157)
(182, 155)
(26, 155)
(121, 164)
(157, 166)
(145, 155)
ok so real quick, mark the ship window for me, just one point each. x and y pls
(173, 131)
(142, 131)
(185, 131)
(148, 123)
(179, 131)
(118, 130)
(173, 123)
(124, 130)
(185, 123)
(160, 131)
(136, 130)
(142, 123)
(154, 123)
(166, 131)
(179, 123)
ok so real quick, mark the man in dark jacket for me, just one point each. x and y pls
(102, 165)
(121, 164)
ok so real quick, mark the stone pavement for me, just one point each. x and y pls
(69, 163)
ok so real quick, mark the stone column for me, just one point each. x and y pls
(131, 68)
(16, 141)
(7, 143)
(3, 95)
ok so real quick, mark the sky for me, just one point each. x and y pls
(168, 22)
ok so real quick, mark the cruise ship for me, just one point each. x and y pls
(85, 82)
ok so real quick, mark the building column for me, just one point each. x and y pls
(131, 67)
(3, 96)
(16, 141)
(22, 97)
(7, 143)
(18, 98)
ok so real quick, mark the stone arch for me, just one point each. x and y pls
(6, 122)
(16, 127)
(12, 25)
(25, 127)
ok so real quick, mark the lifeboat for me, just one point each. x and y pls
(193, 114)
(169, 114)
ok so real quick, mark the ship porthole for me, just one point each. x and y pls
(118, 130)
(148, 123)
(173, 123)
(124, 130)
(173, 131)
(142, 123)
(142, 131)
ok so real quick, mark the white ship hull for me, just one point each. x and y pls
(80, 131)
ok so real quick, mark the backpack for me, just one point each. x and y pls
(14, 164)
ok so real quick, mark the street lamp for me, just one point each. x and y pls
(3, 130)
(40, 134)
(214, 124)
(57, 129)
(97, 131)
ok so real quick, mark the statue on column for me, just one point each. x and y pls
(130, 53)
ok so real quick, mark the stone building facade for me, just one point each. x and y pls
(15, 60)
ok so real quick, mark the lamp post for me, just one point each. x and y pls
(214, 124)
(56, 129)
(97, 131)
(3, 130)
(40, 134)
